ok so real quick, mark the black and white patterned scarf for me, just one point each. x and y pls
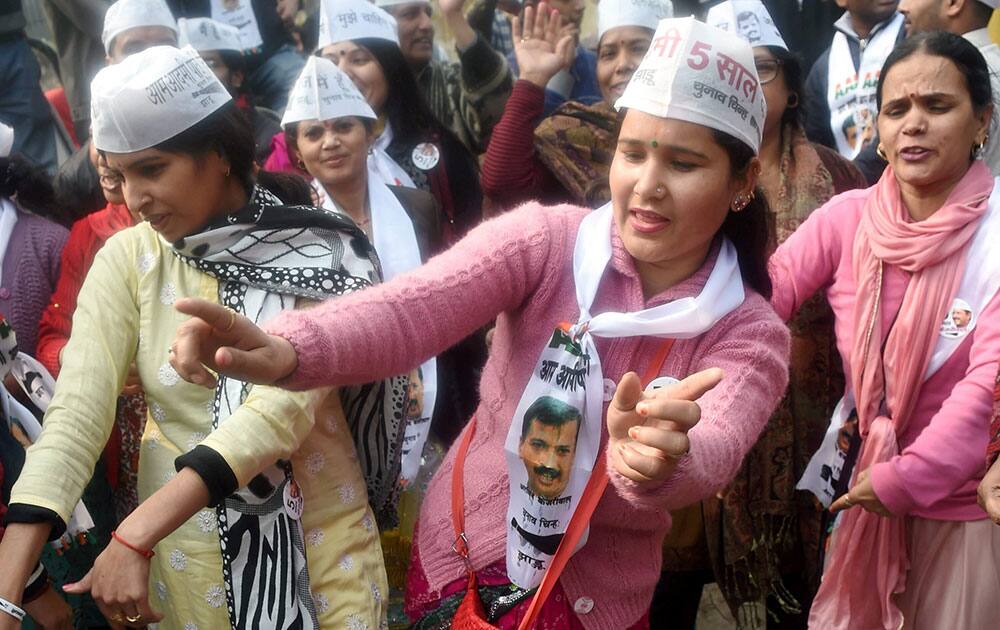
(266, 256)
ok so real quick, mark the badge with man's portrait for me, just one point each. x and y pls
(959, 321)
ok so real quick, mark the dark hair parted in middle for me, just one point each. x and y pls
(958, 50)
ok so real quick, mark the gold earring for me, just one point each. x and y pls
(880, 150)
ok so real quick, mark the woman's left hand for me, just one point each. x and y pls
(648, 431)
(862, 495)
(119, 583)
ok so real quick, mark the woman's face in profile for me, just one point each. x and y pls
(927, 124)
(176, 193)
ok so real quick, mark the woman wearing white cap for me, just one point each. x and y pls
(566, 156)
(361, 40)
(674, 269)
(770, 531)
(268, 553)
(911, 270)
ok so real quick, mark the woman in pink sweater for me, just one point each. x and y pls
(911, 270)
(666, 248)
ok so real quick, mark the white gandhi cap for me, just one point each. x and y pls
(343, 20)
(206, 34)
(699, 74)
(646, 13)
(747, 18)
(152, 96)
(127, 14)
(324, 92)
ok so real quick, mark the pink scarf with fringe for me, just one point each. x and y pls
(867, 561)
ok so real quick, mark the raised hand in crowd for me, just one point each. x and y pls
(540, 45)
(459, 26)
(647, 432)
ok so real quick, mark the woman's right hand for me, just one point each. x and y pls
(540, 50)
(989, 492)
(119, 583)
(217, 338)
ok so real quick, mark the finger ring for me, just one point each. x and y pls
(232, 319)
(119, 618)
(847, 501)
(133, 619)
(524, 39)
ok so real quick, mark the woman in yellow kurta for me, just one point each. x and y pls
(290, 541)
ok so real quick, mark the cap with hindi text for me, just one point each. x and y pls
(152, 96)
(344, 20)
(204, 34)
(324, 92)
(699, 74)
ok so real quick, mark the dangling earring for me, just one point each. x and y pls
(228, 170)
(880, 150)
(977, 149)
(793, 100)
(301, 164)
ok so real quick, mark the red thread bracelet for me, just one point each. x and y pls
(145, 553)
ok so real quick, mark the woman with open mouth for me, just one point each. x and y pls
(896, 261)
(643, 325)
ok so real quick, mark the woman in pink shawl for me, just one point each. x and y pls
(912, 275)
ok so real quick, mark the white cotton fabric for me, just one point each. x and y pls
(206, 34)
(152, 96)
(344, 20)
(646, 13)
(324, 92)
(749, 19)
(699, 74)
(6, 140)
(126, 14)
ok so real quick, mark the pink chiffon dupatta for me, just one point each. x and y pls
(867, 560)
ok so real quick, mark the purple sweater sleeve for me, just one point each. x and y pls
(808, 259)
(393, 327)
(948, 452)
(752, 349)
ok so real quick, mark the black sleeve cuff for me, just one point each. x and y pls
(213, 470)
(34, 590)
(24, 513)
(480, 64)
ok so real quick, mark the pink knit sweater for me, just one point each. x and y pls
(940, 461)
(518, 269)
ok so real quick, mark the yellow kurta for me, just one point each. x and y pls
(125, 313)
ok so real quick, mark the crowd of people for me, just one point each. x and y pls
(323, 325)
